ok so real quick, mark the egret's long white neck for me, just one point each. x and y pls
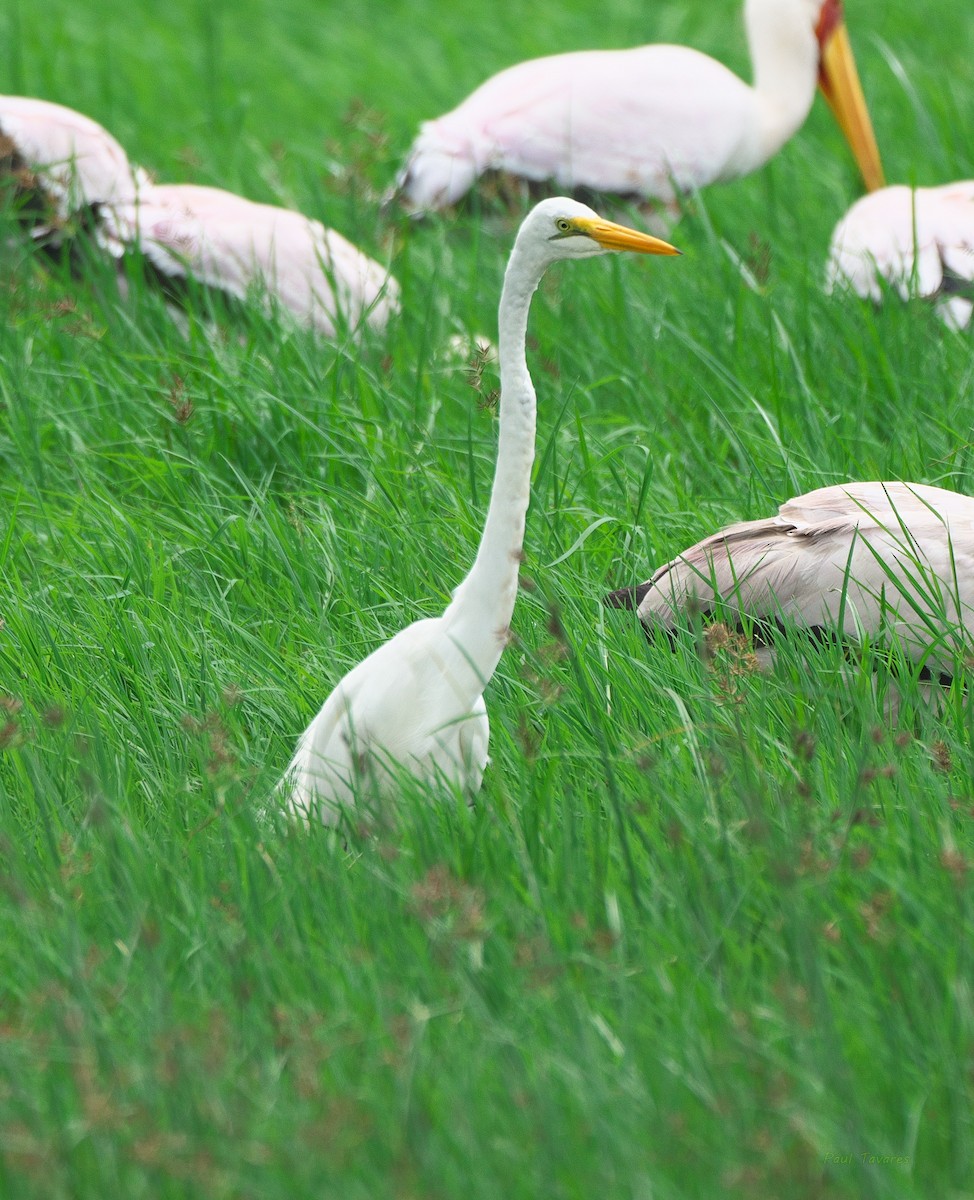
(785, 58)
(481, 610)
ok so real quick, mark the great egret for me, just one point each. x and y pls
(877, 559)
(63, 161)
(654, 121)
(226, 242)
(919, 240)
(417, 702)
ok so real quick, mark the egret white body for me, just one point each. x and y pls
(69, 159)
(417, 702)
(654, 121)
(879, 559)
(920, 241)
(227, 242)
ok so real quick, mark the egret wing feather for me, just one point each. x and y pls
(415, 702)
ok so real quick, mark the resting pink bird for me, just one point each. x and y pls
(655, 121)
(920, 241)
(64, 159)
(858, 559)
(240, 247)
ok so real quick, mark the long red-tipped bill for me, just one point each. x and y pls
(839, 81)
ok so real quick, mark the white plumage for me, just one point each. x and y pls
(920, 241)
(224, 241)
(417, 702)
(654, 121)
(69, 159)
(880, 559)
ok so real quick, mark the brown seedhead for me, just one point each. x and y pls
(440, 898)
(758, 258)
(954, 862)
(873, 913)
(804, 743)
(942, 759)
(182, 406)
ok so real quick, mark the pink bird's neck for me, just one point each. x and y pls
(784, 57)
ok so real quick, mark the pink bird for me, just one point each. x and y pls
(920, 241)
(654, 121)
(239, 247)
(867, 561)
(65, 163)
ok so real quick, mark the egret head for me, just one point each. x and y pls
(563, 228)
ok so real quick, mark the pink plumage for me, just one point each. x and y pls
(241, 247)
(65, 156)
(861, 559)
(920, 241)
(653, 121)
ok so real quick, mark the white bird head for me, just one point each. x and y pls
(563, 228)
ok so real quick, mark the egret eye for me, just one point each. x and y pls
(563, 225)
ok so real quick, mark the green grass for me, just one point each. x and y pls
(706, 932)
